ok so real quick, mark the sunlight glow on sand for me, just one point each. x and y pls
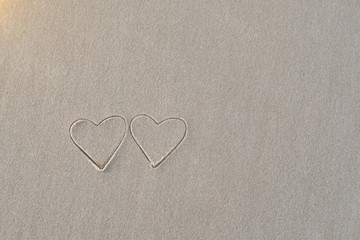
(2, 5)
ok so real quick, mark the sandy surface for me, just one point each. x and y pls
(270, 92)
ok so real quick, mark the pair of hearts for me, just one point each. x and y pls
(100, 142)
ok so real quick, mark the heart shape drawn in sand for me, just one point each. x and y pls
(157, 140)
(99, 142)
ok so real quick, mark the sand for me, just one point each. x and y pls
(269, 92)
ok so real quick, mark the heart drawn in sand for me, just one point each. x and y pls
(157, 140)
(99, 142)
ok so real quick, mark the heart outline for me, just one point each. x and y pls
(92, 161)
(156, 164)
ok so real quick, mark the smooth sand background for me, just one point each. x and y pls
(270, 91)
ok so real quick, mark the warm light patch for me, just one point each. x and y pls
(3, 4)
